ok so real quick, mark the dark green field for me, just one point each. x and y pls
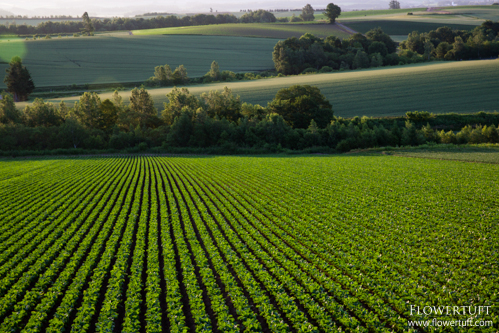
(393, 27)
(123, 58)
(268, 30)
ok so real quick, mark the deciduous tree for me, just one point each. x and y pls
(332, 12)
(18, 80)
(298, 105)
(307, 13)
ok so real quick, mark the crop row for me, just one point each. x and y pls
(153, 244)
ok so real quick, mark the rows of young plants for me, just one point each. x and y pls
(253, 244)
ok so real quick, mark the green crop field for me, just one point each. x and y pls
(269, 30)
(123, 58)
(455, 153)
(397, 22)
(442, 87)
(405, 27)
(255, 244)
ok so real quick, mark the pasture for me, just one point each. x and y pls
(119, 57)
(440, 87)
(254, 244)
(268, 30)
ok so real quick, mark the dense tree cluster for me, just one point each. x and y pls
(310, 53)
(448, 44)
(298, 118)
(258, 16)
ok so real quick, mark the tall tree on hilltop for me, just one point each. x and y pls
(18, 80)
(394, 4)
(332, 12)
(307, 13)
(88, 26)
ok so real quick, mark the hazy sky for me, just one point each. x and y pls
(132, 7)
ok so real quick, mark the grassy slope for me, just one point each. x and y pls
(271, 30)
(467, 86)
(124, 58)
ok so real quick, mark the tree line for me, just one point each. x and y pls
(448, 44)
(298, 118)
(160, 21)
(311, 54)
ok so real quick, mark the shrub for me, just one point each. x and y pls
(419, 115)
(309, 70)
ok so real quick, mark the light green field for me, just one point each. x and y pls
(468, 86)
(270, 30)
(397, 22)
(119, 57)
(456, 153)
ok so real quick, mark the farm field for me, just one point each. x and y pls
(456, 153)
(397, 22)
(405, 27)
(441, 87)
(230, 244)
(124, 58)
(268, 30)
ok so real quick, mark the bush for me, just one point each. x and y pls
(309, 70)
(409, 14)
(326, 69)
(76, 35)
(419, 115)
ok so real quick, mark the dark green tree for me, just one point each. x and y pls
(42, 114)
(307, 13)
(298, 105)
(9, 114)
(394, 4)
(18, 80)
(332, 12)
(88, 27)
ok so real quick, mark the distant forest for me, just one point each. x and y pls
(120, 23)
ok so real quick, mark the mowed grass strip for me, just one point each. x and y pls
(268, 30)
(442, 87)
(124, 58)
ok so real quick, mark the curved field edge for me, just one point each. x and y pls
(268, 30)
(438, 87)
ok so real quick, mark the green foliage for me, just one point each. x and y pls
(18, 80)
(298, 105)
(258, 16)
(332, 12)
(9, 114)
(42, 114)
(419, 115)
(179, 101)
(394, 4)
(179, 76)
(307, 13)
(222, 104)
